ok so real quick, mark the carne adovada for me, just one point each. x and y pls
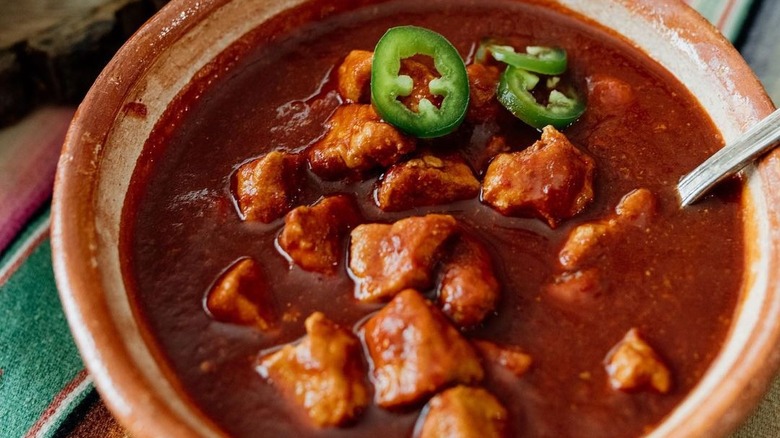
(429, 220)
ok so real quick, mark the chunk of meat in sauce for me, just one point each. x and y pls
(465, 412)
(242, 296)
(426, 180)
(354, 79)
(468, 290)
(637, 208)
(633, 365)
(357, 140)
(386, 259)
(575, 287)
(483, 81)
(312, 236)
(552, 180)
(354, 76)
(585, 243)
(415, 351)
(609, 96)
(504, 357)
(588, 241)
(323, 374)
(266, 188)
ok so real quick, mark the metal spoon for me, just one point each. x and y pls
(731, 159)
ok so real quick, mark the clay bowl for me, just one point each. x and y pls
(107, 135)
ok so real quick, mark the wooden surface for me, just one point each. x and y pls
(52, 50)
(22, 20)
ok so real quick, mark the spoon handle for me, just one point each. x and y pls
(729, 160)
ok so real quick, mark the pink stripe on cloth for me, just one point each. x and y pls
(28, 159)
(20, 255)
(721, 23)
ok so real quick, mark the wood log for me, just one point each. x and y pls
(52, 54)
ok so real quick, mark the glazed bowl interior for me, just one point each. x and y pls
(117, 117)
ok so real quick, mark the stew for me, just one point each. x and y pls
(306, 268)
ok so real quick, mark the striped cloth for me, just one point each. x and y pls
(727, 15)
(44, 388)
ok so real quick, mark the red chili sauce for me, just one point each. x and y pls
(676, 280)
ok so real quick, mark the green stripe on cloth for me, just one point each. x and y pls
(37, 355)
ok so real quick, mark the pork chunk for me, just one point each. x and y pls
(483, 81)
(609, 96)
(575, 287)
(426, 180)
(354, 79)
(242, 296)
(415, 351)
(589, 241)
(637, 208)
(354, 76)
(506, 357)
(585, 243)
(552, 180)
(465, 412)
(323, 374)
(266, 188)
(312, 236)
(357, 140)
(633, 365)
(468, 291)
(386, 259)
